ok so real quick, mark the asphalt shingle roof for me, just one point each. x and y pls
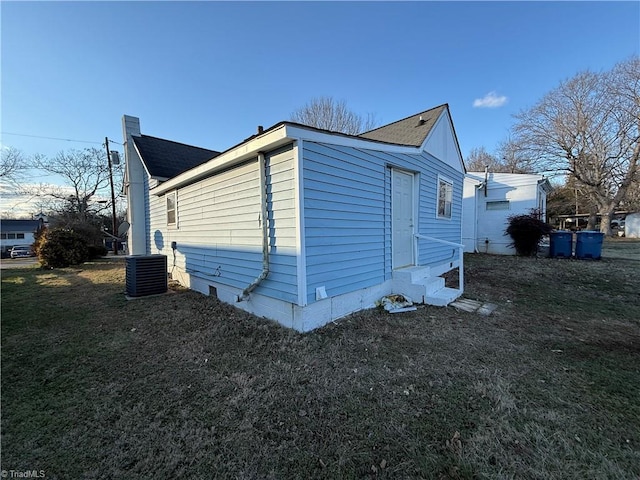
(166, 159)
(408, 131)
(8, 225)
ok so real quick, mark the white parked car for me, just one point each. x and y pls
(20, 251)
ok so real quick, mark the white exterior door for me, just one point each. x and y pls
(402, 218)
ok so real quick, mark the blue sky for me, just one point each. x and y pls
(207, 73)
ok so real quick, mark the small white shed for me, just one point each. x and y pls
(632, 225)
(489, 199)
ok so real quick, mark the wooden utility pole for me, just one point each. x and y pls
(115, 239)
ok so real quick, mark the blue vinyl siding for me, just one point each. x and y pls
(282, 282)
(347, 208)
(344, 219)
(218, 232)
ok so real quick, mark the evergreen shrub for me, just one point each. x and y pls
(526, 231)
(59, 247)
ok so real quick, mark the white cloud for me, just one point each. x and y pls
(490, 100)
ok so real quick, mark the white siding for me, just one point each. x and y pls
(632, 225)
(6, 244)
(469, 213)
(442, 144)
(137, 191)
(520, 190)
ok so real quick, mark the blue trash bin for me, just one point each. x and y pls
(589, 245)
(560, 244)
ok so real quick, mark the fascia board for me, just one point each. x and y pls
(304, 134)
(144, 165)
(475, 181)
(242, 152)
(475, 176)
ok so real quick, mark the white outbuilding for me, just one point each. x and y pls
(489, 199)
(632, 225)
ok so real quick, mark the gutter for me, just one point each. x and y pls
(268, 139)
(264, 220)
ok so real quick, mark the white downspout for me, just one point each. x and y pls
(264, 220)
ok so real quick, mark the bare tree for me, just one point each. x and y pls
(589, 129)
(569, 199)
(333, 115)
(479, 159)
(12, 163)
(508, 160)
(513, 159)
(14, 172)
(631, 201)
(85, 173)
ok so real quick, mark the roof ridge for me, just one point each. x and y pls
(405, 118)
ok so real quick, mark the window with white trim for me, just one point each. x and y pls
(445, 198)
(171, 208)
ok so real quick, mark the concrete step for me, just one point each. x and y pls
(442, 297)
(417, 284)
(411, 274)
(431, 284)
(420, 289)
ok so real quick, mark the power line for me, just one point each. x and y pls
(52, 138)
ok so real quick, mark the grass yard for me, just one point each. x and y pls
(182, 386)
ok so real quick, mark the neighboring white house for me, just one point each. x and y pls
(17, 232)
(302, 225)
(632, 225)
(489, 199)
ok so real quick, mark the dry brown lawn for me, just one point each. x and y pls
(182, 386)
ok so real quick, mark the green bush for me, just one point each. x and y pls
(526, 231)
(60, 247)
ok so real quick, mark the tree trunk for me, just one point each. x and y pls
(593, 218)
(605, 222)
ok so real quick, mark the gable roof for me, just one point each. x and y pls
(166, 159)
(409, 131)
